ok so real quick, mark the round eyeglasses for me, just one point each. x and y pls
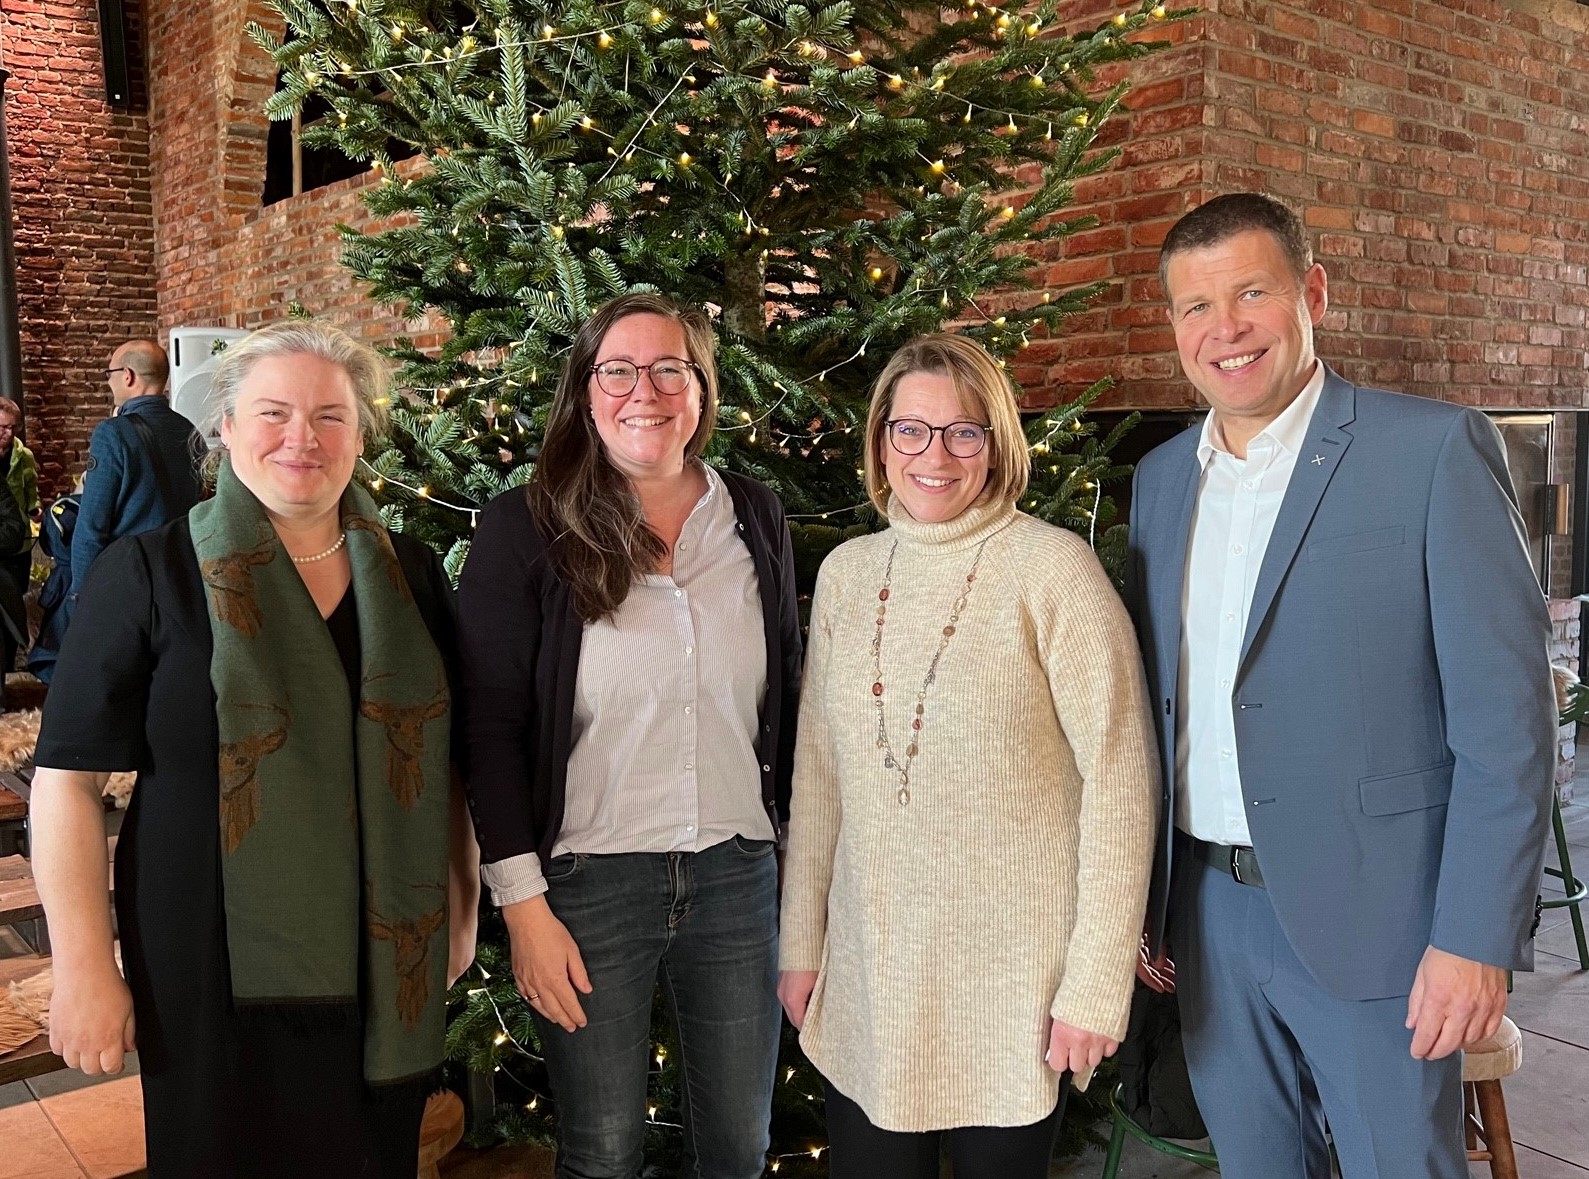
(913, 436)
(670, 376)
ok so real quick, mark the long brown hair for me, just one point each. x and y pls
(585, 507)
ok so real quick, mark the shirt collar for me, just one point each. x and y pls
(1287, 431)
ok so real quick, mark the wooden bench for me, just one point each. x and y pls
(34, 1058)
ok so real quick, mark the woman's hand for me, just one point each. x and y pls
(794, 992)
(1078, 1051)
(91, 1020)
(546, 964)
(1155, 971)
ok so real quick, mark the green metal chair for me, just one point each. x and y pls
(1123, 1125)
(1576, 889)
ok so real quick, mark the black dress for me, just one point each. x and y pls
(132, 690)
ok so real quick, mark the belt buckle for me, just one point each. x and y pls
(1235, 864)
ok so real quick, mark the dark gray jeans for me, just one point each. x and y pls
(706, 923)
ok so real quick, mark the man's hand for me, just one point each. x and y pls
(1156, 971)
(91, 1022)
(1454, 1002)
(794, 992)
(546, 963)
(1076, 1050)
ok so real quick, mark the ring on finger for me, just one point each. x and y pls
(534, 997)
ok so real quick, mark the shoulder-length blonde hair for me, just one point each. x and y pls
(584, 505)
(983, 390)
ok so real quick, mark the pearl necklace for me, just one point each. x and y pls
(341, 540)
(890, 759)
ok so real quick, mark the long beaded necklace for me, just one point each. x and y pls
(891, 760)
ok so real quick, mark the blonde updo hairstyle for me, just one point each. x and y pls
(368, 372)
(984, 392)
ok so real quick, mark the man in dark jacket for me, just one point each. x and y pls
(142, 467)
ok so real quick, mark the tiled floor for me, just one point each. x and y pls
(65, 1126)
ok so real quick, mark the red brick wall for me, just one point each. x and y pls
(1432, 145)
(1439, 152)
(83, 223)
(225, 260)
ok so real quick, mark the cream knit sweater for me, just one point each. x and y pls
(1012, 886)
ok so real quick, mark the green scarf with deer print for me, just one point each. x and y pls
(333, 811)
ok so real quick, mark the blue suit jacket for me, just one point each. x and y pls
(121, 490)
(1395, 718)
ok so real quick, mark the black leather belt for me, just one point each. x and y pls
(1238, 862)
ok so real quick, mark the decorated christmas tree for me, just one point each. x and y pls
(829, 181)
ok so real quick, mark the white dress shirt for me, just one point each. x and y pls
(1237, 503)
(666, 708)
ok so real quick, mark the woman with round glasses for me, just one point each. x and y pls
(631, 664)
(974, 798)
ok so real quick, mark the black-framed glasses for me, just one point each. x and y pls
(912, 436)
(122, 368)
(670, 376)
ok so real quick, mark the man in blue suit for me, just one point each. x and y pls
(142, 462)
(1347, 652)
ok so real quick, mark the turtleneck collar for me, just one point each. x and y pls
(971, 527)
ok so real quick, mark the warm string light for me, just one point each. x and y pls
(447, 56)
(379, 480)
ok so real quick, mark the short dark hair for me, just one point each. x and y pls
(1224, 217)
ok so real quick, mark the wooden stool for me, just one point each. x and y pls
(439, 1131)
(1484, 1120)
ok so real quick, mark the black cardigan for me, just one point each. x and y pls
(519, 640)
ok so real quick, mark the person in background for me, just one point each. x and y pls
(974, 798)
(142, 462)
(276, 666)
(631, 658)
(22, 477)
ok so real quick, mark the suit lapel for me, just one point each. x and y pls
(1180, 497)
(1322, 450)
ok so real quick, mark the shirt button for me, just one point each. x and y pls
(1224, 753)
(680, 593)
(1224, 683)
(1237, 549)
(1246, 484)
(689, 765)
(684, 544)
(689, 826)
(688, 710)
(1230, 616)
(689, 650)
(766, 769)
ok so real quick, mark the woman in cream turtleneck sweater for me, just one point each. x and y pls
(975, 798)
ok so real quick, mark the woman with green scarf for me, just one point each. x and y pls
(276, 667)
